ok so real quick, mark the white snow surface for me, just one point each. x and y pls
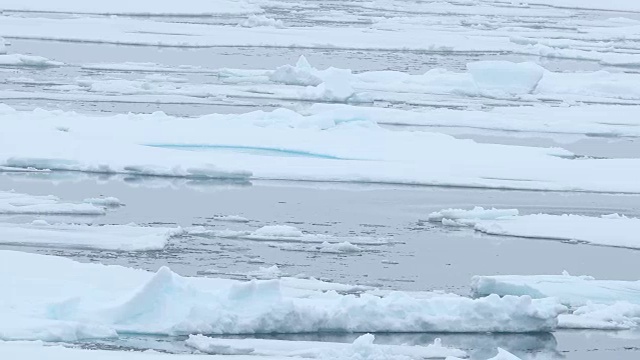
(607, 230)
(12, 202)
(362, 346)
(57, 299)
(106, 237)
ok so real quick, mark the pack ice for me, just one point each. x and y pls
(57, 299)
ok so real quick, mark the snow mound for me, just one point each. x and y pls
(566, 227)
(16, 203)
(261, 20)
(362, 348)
(62, 294)
(107, 237)
(300, 74)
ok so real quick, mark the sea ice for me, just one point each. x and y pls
(595, 304)
(87, 299)
(570, 290)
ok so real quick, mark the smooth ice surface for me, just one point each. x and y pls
(108, 237)
(606, 230)
(16, 203)
(362, 346)
(57, 299)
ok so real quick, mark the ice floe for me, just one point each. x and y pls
(107, 237)
(363, 346)
(286, 145)
(595, 304)
(261, 20)
(65, 300)
(502, 355)
(12, 202)
(571, 290)
(606, 230)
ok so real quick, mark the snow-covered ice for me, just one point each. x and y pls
(320, 350)
(605, 230)
(108, 237)
(12, 202)
(64, 300)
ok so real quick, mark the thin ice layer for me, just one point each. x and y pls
(12, 202)
(106, 237)
(57, 293)
(319, 350)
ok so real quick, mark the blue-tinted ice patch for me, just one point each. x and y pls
(255, 150)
